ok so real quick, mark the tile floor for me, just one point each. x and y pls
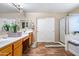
(42, 51)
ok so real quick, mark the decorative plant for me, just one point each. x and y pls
(11, 27)
(6, 27)
(14, 28)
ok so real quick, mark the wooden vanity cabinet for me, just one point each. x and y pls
(6, 51)
(25, 43)
(5, 54)
(18, 51)
(17, 48)
(30, 38)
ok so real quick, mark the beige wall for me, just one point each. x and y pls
(76, 10)
(12, 15)
(16, 16)
(35, 16)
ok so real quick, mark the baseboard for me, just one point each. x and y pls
(48, 46)
(62, 44)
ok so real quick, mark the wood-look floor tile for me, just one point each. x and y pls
(42, 51)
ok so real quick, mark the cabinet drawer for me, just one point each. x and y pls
(4, 54)
(6, 49)
(16, 44)
(30, 38)
(18, 51)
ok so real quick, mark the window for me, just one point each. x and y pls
(73, 23)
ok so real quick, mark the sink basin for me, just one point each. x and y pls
(6, 39)
(3, 41)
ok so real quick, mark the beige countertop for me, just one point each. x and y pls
(8, 40)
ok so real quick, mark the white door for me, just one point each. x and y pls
(62, 30)
(46, 30)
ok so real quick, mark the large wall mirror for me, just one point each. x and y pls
(9, 14)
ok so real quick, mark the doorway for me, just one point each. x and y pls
(46, 29)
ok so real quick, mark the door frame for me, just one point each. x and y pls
(37, 23)
(59, 28)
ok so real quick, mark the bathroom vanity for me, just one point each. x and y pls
(15, 46)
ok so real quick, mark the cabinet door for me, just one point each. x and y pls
(30, 38)
(4, 54)
(18, 51)
(6, 50)
(17, 44)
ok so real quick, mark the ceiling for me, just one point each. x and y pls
(39, 7)
(5, 8)
(49, 7)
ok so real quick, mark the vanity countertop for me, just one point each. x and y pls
(9, 40)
